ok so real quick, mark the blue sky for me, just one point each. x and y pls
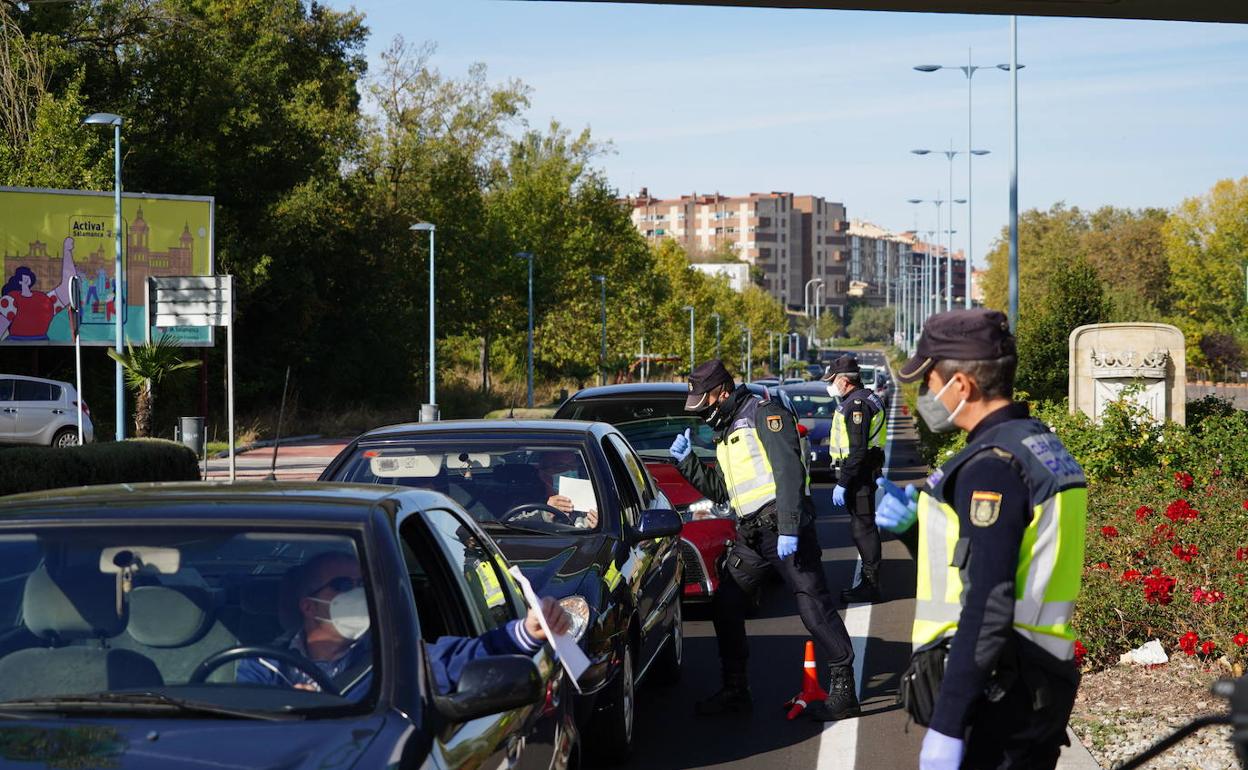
(1129, 113)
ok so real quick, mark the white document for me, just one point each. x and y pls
(567, 651)
(580, 492)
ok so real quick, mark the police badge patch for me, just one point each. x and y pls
(774, 423)
(857, 418)
(985, 507)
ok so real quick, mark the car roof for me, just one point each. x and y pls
(36, 379)
(274, 499)
(807, 387)
(578, 428)
(631, 389)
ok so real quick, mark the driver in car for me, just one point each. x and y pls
(334, 634)
(553, 465)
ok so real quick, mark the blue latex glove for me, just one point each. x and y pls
(681, 447)
(786, 546)
(940, 752)
(899, 509)
(838, 496)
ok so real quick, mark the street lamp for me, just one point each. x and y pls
(691, 313)
(969, 71)
(749, 352)
(806, 297)
(119, 282)
(716, 317)
(429, 412)
(602, 279)
(528, 255)
(950, 154)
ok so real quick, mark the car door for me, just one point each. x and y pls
(655, 562)
(484, 598)
(37, 407)
(8, 412)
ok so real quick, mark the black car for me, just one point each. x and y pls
(610, 541)
(131, 616)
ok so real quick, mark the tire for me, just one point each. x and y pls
(65, 437)
(612, 741)
(667, 666)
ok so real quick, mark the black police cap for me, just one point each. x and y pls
(706, 377)
(842, 365)
(959, 335)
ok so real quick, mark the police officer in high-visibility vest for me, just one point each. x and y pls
(856, 446)
(760, 471)
(1000, 538)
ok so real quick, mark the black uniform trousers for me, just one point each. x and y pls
(860, 503)
(747, 564)
(1013, 733)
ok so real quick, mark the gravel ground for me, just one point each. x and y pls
(1124, 709)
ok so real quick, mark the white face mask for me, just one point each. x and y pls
(348, 612)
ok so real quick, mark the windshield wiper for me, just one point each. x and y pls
(123, 701)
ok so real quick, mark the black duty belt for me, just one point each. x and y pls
(763, 519)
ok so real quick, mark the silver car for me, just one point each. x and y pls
(41, 412)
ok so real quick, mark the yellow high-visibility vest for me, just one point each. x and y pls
(838, 436)
(746, 470)
(1050, 559)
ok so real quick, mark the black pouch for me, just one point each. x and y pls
(920, 683)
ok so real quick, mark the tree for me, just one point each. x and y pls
(874, 324)
(1073, 296)
(144, 367)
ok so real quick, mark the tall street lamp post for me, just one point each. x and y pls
(602, 279)
(716, 317)
(747, 364)
(691, 314)
(1013, 70)
(429, 412)
(528, 255)
(119, 277)
(950, 154)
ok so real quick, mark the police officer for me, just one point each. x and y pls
(1000, 540)
(857, 449)
(760, 472)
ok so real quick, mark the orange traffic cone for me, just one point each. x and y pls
(811, 691)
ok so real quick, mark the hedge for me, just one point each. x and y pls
(30, 469)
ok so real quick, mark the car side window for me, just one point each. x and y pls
(27, 390)
(476, 569)
(6, 390)
(630, 498)
(636, 470)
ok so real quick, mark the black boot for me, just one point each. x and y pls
(732, 698)
(867, 590)
(842, 701)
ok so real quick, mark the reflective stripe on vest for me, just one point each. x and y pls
(838, 436)
(747, 471)
(1050, 560)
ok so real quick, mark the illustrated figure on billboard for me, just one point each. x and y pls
(26, 314)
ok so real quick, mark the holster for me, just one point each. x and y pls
(920, 683)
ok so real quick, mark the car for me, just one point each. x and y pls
(128, 613)
(41, 412)
(622, 562)
(766, 382)
(814, 407)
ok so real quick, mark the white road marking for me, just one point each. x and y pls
(838, 743)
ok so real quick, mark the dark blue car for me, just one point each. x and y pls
(130, 616)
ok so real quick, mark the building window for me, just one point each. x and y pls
(764, 253)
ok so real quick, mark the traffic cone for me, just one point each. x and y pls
(811, 691)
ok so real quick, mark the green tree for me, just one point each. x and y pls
(874, 324)
(1073, 296)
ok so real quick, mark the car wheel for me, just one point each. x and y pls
(668, 665)
(613, 733)
(65, 437)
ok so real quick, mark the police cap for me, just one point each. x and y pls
(842, 365)
(706, 377)
(960, 335)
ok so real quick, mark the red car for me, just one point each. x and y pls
(650, 415)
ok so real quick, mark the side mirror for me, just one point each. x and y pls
(492, 685)
(656, 523)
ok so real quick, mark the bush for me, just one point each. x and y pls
(30, 469)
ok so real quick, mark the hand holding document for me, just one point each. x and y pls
(580, 492)
(567, 651)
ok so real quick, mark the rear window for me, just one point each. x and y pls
(650, 425)
(27, 390)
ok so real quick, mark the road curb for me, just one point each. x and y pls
(1076, 756)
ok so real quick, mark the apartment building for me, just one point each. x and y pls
(875, 255)
(789, 238)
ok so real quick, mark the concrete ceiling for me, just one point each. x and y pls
(1235, 11)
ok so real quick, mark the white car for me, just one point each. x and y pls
(41, 412)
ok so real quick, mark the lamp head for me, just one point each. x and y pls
(102, 119)
(914, 200)
(980, 152)
(424, 227)
(1006, 67)
(928, 67)
(921, 152)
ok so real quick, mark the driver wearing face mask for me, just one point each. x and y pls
(333, 609)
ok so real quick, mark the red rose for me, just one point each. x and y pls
(1241, 554)
(1240, 639)
(1184, 480)
(1207, 648)
(1102, 565)
(1109, 531)
(1246, 505)
(1143, 512)
(1131, 576)
(1081, 651)
(1188, 642)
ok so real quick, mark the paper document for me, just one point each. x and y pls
(580, 492)
(567, 650)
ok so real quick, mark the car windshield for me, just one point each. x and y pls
(649, 424)
(868, 376)
(144, 618)
(542, 488)
(813, 405)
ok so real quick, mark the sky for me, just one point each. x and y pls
(738, 100)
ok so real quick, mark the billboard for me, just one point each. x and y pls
(48, 236)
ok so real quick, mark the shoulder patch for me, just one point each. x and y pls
(775, 423)
(857, 418)
(985, 508)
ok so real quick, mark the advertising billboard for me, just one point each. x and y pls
(48, 236)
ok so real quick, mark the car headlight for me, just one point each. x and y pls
(578, 608)
(706, 509)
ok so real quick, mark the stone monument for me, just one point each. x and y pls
(1106, 359)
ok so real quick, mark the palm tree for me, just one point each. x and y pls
(145, 366)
